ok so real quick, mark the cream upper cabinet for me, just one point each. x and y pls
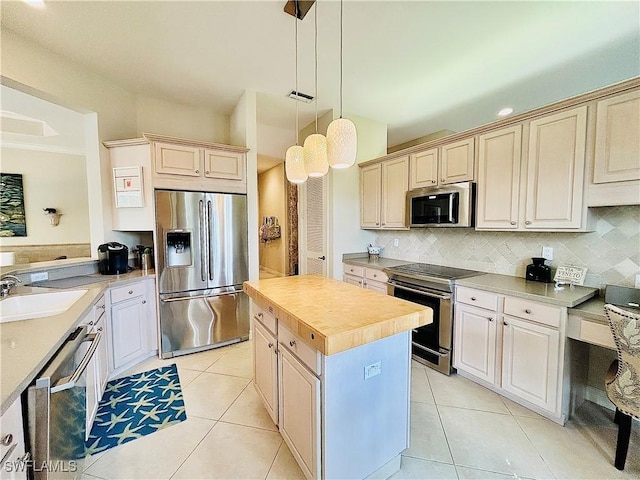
(498, 192)
(423, 169)
(174, 159)
(395, 184)
(383, 188)
(538, 185)
(450, 163)
(456, 162)
(555, 172)
(617, 147)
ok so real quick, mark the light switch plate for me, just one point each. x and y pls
(396, 242)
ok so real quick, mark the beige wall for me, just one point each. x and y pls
(272, 201)
(54, 180)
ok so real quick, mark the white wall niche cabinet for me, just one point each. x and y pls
(531, 177)
(383, 188)
(512, 346)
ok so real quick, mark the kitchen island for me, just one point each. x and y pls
(332, 365)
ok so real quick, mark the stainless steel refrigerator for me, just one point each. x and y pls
(202, 260)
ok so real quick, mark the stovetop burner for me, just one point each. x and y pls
(438, 271)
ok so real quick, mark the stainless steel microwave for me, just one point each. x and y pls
(447, 206)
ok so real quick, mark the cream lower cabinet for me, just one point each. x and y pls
(383, 188)
(537, 184)
(366, 277)
(266, 361)
(512, 346)
(132, 323)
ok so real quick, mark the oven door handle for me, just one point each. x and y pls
(71, 381)
(441, 296)
(429, 350)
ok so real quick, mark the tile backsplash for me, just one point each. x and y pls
(611, 252)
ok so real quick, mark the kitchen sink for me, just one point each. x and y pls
(22, 307)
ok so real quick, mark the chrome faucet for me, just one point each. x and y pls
(7, 282)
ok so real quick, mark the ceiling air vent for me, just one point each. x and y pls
(301, 97)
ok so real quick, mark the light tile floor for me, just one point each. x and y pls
(459, 430)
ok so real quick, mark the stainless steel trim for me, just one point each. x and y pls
(215, 292)
(71, 381)
(209, 246)
(9, 452)
(431, 351)
(425, 291)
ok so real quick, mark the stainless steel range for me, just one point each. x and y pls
(430, 285)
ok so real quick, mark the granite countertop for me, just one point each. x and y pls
(333, 316)
(537, 291)
(26, 346)
(363, 260)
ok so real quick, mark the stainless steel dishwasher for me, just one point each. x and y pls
(57, 409)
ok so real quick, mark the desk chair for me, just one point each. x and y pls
(623, 378)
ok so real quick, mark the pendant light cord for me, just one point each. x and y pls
(315, 33)
(340, 58)
(295, 19)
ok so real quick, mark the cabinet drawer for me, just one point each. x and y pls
(128, 291)
(308, 355)
(545, 314)
(353, 270)
(477, 298)
(266, 318)
(375, 274)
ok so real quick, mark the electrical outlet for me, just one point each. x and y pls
(39, 276)
(372, 370)
(396, 242)
(547, 252)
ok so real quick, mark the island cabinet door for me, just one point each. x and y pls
(300, 412)
(266, 369)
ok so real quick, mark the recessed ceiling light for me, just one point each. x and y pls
(505, 111)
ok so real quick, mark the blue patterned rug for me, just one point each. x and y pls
(135, 406)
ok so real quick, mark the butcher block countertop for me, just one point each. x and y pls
(333, 316)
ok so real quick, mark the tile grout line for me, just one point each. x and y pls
(274, 458)
(215, 422)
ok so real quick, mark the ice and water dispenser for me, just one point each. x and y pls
(179, 252)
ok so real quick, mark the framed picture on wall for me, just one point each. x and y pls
(12, 217)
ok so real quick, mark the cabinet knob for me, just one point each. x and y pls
(442, 179)
(351, 269)
(490, 319)
(433, 181)
(377, 223)
(527, 222)
(100, 329)
(206, 172)
(383, 223)
(270, 345)
(473, 299)
(130, 292)
(7, 440)
(292, 343)
(375, 276)
(144, 301)
(513, 222)
(197, 171)
(505, 324)
(527, 311)
(260, 315)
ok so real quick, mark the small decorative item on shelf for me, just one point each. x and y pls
(54, 216)
(270, 229)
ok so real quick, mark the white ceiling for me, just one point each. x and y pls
(419, 66)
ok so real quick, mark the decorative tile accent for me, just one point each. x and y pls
(611, 252)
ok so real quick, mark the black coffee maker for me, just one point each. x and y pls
(113, 258)
(538, 271)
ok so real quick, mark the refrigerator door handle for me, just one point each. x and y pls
(203, 243)
(209, 246)
(204, 295)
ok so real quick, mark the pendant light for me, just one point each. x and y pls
(294, 159)
(315, 145)
(342, 141)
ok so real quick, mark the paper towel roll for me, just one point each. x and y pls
(7, 258)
